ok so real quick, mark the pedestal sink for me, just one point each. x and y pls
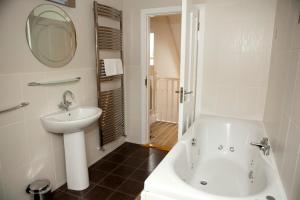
(71, 124)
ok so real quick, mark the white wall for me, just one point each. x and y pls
(282, 113)
(238, 40)
(166, 57)
(27, 151)
(175, 23)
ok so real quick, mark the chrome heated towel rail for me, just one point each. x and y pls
(109, 39)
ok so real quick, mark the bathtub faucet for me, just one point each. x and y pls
(193, 142)
(264, 146)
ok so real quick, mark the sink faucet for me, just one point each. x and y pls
(264, 146)
(65, 104)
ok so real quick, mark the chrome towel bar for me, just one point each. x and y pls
(55, 82)
(21, 105)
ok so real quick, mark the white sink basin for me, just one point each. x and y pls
(71, 121)
(71, 124)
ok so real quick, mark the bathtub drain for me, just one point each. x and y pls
(203, 182)
(270, 198)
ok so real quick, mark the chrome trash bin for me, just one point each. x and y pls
(40, 190)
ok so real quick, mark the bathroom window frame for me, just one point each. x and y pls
(152, 47)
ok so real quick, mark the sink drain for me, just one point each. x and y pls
(203, 182)
(270, 198)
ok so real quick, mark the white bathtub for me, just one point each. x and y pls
(223, 159)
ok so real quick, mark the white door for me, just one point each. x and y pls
(188, 66)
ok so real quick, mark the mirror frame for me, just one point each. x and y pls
(68, 18)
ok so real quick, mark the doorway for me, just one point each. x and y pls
(163, 79)
(189, 97)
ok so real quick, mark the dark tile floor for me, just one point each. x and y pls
(118, 176)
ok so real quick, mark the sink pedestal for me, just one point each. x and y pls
(76, 163)
(71, 124)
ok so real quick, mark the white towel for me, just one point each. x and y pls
(113, 66)
(119, 66)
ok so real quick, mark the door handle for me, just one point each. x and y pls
(189, 92)
(182, 94)
(185, 92)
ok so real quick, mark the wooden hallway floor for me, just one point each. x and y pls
(163, 135)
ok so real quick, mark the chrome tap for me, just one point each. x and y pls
(194, 141)
(65, 104)
(264, 146)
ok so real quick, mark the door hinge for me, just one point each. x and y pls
(198, 26)
(146, 81)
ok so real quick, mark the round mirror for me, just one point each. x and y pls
(51, 35)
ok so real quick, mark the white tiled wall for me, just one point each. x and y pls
(27, 151)
(1, 184)
(282, 113)
(238, 41)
